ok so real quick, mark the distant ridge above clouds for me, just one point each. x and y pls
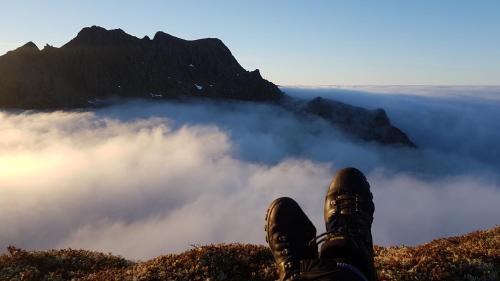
(100, 63)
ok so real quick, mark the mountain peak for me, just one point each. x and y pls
(96, 35)
(100, 30)
(162, 36)
(93, 28)
(29, 46)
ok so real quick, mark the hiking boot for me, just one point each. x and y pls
(288, 233)
(348, 215)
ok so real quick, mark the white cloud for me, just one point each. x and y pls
(119, 180)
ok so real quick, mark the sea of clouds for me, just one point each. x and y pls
(143, 178)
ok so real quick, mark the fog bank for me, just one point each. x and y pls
(142, 179)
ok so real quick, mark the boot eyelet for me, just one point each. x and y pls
(285, 252)
(282, 238)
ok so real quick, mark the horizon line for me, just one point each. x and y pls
(386, 85)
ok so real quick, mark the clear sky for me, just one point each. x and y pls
(297, 42)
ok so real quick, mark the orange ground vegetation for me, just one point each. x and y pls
(475, 256)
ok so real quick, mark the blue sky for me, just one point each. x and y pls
(297, 42)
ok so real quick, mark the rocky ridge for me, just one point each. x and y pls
(369, 125)
(98, 64)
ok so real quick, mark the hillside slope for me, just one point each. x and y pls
(475, 256)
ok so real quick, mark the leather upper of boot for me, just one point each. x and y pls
(288, 232)
(348, 214)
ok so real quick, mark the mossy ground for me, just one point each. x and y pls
(475, 256)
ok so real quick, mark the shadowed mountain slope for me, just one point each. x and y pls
(369, 125)
(100, 63)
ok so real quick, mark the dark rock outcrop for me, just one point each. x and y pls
(369, 125)
(101, 63)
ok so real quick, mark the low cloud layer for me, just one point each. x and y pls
(142, 179)
(460, 121)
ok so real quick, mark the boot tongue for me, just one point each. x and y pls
(337, 248)
(344, 250)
